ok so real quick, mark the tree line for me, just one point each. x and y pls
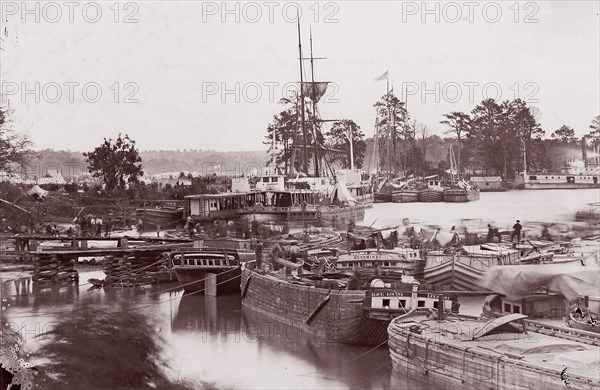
(491, 139)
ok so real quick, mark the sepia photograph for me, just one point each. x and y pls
(399, 195)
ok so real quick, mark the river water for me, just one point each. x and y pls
(213, 342)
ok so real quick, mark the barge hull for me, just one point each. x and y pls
(456, 368)
(330, 315)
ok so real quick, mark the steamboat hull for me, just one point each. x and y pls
(460, 195)
(448, 365)
(560, 186)
(225, 279)
(334, 316)
(431, 196)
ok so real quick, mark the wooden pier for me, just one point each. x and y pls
(132, 260)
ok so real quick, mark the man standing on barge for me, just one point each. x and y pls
(516, 231)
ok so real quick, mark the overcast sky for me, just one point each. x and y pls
(162, 78)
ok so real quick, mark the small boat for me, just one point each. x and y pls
(405, 196)
(310, 240)
(406, 260)
(164, 216)
(212, 272)
(460, 352)
(431, 195)
(397, 191)
(461, 268)
(242, 247)
(379, 250)
(434, 191)
(460, 195)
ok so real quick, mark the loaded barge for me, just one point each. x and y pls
(331, 309)
(463, 352)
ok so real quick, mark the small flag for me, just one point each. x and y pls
(382, 77)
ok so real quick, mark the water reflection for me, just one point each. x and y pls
(212, 333)
(208, 341)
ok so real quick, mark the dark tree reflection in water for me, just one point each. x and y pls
(99, 348)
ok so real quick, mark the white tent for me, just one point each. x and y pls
(341, 194)
(55, 177)
(38, 192)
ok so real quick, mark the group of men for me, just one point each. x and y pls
(91, 225)
(579, 315)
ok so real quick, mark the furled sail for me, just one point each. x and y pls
(314, 90)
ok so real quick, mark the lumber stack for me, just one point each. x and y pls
(54, 269)
(128, 271)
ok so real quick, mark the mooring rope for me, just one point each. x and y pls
(346, 363)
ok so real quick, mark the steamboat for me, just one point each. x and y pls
(577, 174)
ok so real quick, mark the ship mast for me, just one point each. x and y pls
(305, 157)
(312, 90)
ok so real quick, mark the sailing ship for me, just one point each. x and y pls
(271, 201)
(390, 188)
(461, 190)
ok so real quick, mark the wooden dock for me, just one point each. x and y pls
(131, 255)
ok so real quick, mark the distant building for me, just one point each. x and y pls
(488, 183)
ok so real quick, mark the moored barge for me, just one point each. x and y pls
(464, 352)
(211, 272)
(325, 309)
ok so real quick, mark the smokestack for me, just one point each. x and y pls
(584, 151)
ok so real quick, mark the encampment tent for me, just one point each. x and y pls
(38, 192)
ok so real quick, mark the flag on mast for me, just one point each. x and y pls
(382, 77)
